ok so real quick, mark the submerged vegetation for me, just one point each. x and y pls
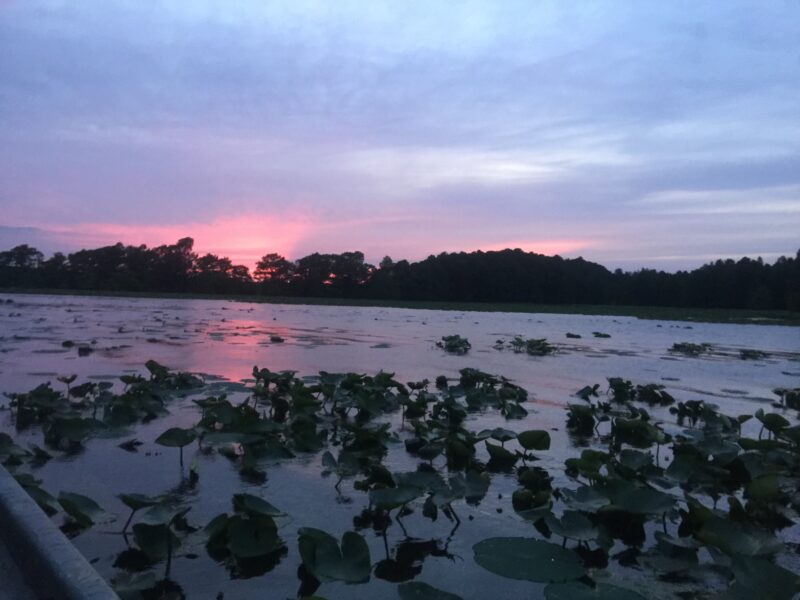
(663, 493)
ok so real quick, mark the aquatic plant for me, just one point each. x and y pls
(644, 489)
(454, 344)
(690, 349)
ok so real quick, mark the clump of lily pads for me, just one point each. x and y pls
(749, 354)
(532, 346)
(706, 515)
(690, 349)
(790, 398)
(247, 540)
(454, 344)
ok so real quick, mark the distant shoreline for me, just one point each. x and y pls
(698, 315)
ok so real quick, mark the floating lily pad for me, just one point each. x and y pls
(529, 559)
(137, 501)
(328, 561)
(156, 541)
(499, 454)
(418, 590)
(175, 437)
(253, 505)
(252, 537)
(389, 498)
(738, 538)
(585, 499)
(81, 508)
(638, 500)
(572, 525)
(759, 578)
(534, 439)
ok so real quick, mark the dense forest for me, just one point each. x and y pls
(504, 276)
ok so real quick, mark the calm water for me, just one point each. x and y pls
(226, 339)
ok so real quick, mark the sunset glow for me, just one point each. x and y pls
(637, 136)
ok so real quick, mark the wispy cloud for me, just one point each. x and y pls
(651, 132)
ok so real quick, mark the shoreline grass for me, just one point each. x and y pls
(665, 313)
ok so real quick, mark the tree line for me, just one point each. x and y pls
(501, 276)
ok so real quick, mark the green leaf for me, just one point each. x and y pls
(738, 538)
(575, 590)
(424, 480)
(84, 510)
(499, 434)
(572, 525)
(253, 505)
(154, 540)
(759, 578)
(217, 527)
(529, 559)
(389, 498)
(763, 489)
(129, 586)
(500, 454)
(637, 500)
(771, 421)
(634, 459)
(74, 429)
(327, 561)
(417, 590)
(175, 437)
(137, 501)
(45, 501)
(163, 514)
(251, 537)
(585, 499)
(534, 439)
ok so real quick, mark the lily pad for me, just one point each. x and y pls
(156, 541)
(759, 578)
(534, 439)
(389, 498)
(738, 538)
(499, 454)
(84, 510)
(572, 525)
(418, 590)
(637, 500)
(585, 499)
(253, 505)
(175, 437)
(328, 561)
(499, 434)
(137, 501)
(251, 537)
(528, 559)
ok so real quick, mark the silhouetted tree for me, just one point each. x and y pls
(503, 276)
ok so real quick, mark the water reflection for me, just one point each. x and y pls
(405, 560)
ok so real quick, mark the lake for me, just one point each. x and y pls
(99, 339)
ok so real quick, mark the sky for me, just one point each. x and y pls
(634, 134)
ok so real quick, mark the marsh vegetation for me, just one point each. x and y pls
(598, 467)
